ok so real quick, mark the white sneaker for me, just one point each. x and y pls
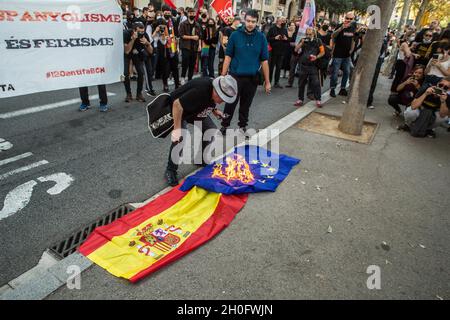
(170, 82)
(371, 107)
(183, 81)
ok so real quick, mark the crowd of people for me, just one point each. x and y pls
(421, 77)
(176, 45)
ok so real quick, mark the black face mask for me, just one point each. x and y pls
(191, 18)
(283, 25)
(167, 16)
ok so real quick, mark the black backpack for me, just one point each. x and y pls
(422, 124)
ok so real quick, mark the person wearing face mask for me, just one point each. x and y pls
(419, 36)
(278, 40)
(167, 34)
(137, 49)
(289, 49)
(438, 67)
(403, 57)
(422, 48)
(190, 33)
(228, 28)
(210, 38)
(312, 50)
(149, 28)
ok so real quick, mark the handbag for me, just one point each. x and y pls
(159, 113)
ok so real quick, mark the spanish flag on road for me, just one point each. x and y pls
(160, 232)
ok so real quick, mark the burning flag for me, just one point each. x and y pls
(248, 169)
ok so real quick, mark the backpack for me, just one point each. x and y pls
(425, 120)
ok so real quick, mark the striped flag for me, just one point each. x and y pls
(308, 16)
(164, 230)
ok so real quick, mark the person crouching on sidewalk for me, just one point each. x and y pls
(192, 104)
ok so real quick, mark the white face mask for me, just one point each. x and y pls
(411, 39)
(426, 41)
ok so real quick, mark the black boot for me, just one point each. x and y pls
(171, 177)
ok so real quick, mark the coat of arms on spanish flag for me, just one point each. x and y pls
(160, 232)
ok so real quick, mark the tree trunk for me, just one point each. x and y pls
(353, 117)
(405, 11)
(422, 9)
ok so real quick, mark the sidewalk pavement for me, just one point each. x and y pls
(345, 207)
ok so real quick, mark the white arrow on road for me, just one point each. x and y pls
(63, 181)
(5, 145)
(18, 198)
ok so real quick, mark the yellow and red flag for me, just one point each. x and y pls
(162, 231)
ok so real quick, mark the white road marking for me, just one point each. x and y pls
(55, 105)
(5, 145)
(26, 168)
(19, 157)
(17, 199)
(63, 181)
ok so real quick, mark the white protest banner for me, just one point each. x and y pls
(59, 44)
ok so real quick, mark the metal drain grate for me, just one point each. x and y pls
(68, 246)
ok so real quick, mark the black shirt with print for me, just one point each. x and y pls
(343, 42)
(195, 98)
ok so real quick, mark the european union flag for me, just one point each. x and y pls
(247, 169)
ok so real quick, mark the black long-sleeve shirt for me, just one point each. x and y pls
(278, 46)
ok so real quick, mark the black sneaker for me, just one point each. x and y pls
(431, 134)
(171, 177)
(128, 98)
(244, 132)
(333, 93)
(223, 131)
(151, 93)
(277, 85)
(289, 85)
(343, 92)
(403, 127)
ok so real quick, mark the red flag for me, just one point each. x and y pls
(200, 5)
(224, 8)
(170, 4)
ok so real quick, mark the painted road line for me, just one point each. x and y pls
(23, 169)
(19, 157)
(55, 105)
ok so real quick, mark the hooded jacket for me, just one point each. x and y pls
(246, 51)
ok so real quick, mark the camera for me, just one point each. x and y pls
(438, 91)
(436, 56)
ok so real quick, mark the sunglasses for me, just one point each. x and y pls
(441, 85)
(348, 18)
(428, 35)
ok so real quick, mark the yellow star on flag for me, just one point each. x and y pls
(264, 165)
(272, 170)
(255, 161)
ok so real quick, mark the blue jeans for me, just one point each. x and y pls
(337, 64)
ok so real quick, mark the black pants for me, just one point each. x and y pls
(139, 65)
(188, 63)
(400, 68)
(394, 102)
(310, 75)
(293, 66)
(84, 94)
(148, 69)
(276, 61)
(374, 81)
(207, 123)
(246, 92)
(170, 65)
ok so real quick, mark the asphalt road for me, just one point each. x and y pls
(111, 158)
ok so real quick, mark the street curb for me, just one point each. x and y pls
(50, 274)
